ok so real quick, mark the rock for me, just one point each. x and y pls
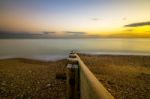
(3, 83)
(48, 85)
(38, 82)
(28, 87)
(30, 71)
(110, 83)
(61, 76)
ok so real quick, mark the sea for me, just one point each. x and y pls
(55, 49)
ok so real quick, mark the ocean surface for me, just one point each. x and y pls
(52, 49)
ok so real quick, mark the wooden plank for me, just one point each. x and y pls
(83, 81)
(90, 87)
(72, 81)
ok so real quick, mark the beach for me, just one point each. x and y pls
(124, 76)
(31, 79)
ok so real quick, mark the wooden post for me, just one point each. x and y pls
(90, 86)
(72, 78)
(83, 83)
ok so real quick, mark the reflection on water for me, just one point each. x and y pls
(46, 47)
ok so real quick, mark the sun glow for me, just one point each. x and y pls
(93, 18)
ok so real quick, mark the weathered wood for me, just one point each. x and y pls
(61, 76)
(90, 87)
(72, 81)
(81, 80)
(72, 61)
(72, 56)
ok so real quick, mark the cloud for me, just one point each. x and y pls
(75, 33)
(137, 24)
(129, 30)
(147, 31)
(124, 18)
(95, 19)
(5, 34)
(46, 32)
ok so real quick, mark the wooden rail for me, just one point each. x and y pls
(90, 87)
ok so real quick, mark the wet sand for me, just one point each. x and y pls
(125, 77)
(30, 79)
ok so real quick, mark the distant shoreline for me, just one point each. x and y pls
(64, 56)
(38, 58)
(72, 38)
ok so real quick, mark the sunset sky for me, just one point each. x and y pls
(79, 17)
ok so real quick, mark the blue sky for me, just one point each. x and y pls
(94, 17)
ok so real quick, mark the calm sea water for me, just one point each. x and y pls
(58, 48)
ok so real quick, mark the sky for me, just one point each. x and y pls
(106, 18)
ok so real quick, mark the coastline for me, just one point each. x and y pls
(44, 58)
(57, 57)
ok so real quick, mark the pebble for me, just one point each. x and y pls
(48, 85)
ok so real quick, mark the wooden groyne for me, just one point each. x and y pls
(81, 82)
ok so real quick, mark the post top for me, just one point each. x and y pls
(73, 52)
(72, 66)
